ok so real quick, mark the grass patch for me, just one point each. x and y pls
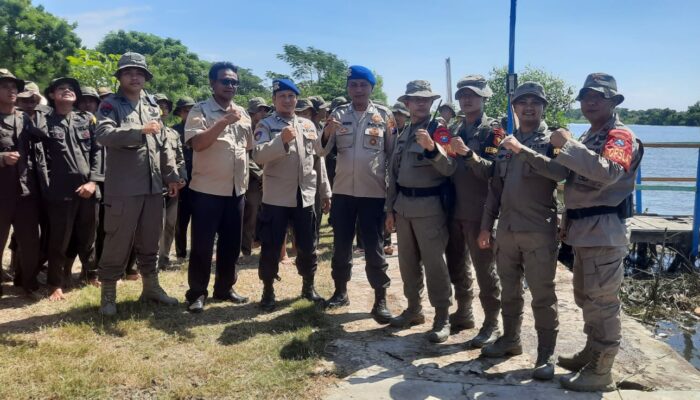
(66, 350)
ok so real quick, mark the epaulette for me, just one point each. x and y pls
(43, 108)
(151, 99)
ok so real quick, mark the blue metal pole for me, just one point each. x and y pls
(696, 212)
(638, 192)
(511, 60)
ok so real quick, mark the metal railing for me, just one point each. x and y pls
(673, 188)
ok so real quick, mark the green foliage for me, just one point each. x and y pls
(92, 68)
(560, 95)
(652, 116)
(33, 43)
(176, 71)
(320, 73)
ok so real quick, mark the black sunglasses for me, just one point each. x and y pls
(229, 82)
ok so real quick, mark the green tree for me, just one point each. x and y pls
(176, 71)
(560, 95)
(250, 85)
(317, 72)
(92, 68)
(34, 44)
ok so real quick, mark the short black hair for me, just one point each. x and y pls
(218, 66)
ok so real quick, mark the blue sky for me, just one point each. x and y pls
(650, 46)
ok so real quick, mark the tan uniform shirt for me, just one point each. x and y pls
(597, 181)
(137, 164)
(522, 194)
(287, 167)
(364, 143)
(472, 173)
(222, 168)
(412, 167)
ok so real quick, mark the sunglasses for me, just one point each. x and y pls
(229, 82)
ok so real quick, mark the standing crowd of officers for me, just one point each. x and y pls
(458, 192)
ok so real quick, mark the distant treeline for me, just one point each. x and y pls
(652, 116)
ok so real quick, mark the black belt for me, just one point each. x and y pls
(419, 192)
(580, 213)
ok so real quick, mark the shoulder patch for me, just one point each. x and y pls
(106, 108)
(618, 148)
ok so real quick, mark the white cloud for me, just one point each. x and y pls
(93, 25)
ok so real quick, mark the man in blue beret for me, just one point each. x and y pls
(362, 131)
(285, 146)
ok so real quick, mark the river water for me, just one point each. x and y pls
(683, 336)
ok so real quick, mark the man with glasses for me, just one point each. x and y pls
(220, 134)
(597, 194)
(522, 195)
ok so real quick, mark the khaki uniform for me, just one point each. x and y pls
(171, 203)
(219, 182)
(364, 143)
(522, 194)
(421, 223)
(599, 241)
(289, 190)
(138, 167)
(471, 188)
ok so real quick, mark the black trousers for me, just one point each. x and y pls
(368, 213)
(213, 216)
(22, 214)
(184, 213)
(76, 221)
(273, 222)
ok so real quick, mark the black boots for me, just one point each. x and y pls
(267, 302)
(544, 366)
(308, 291)
(380, 312)
(340, 296)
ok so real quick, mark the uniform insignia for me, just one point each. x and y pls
(349, 72)
(374, 131)
(373, 141)
(275, 86)
(257, 135)
(343, 130)
(443, 136)
(376, 118)
(391, 124)
(491, 150)
(106, 108)
(619, 147)
(347, 123)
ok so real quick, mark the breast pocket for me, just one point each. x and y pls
(418, 158)
(345, 136)
(373, 139)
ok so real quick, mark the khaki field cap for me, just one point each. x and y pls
(133, 60)
(162, 97)
(475, 83)
(419, 89)
(30, 90)
(603, 83)
(338, 101)
(255, 103)
(319, 103)
(529, 88)
(303, 104)
(182, 103)
(103, 91)
(450, 106)
(89, 91)
(5, 74)
(400, 108)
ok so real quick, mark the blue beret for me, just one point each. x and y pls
(360, 72)
(284, 84)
